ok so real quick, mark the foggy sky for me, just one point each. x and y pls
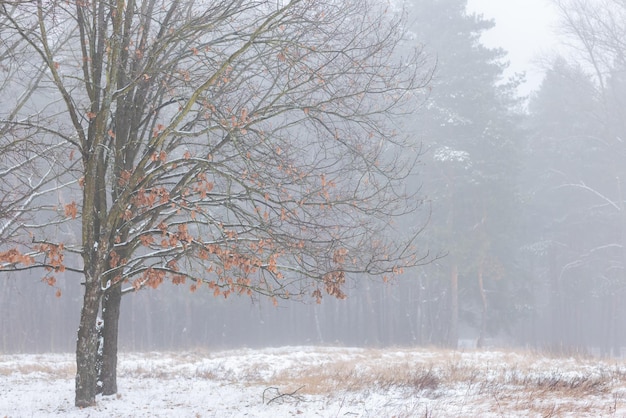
(525, 29)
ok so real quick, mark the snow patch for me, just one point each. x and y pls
(322, 382)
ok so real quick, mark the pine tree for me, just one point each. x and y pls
(469, 128)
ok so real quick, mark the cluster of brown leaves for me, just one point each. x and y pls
(151, 277)
(124, 177)
(14, 256)
(169, 239)
(334, 280)
(232, 266)
(54, 256)
(54, 261)
(326, 186)
(115, 259)
(145, 200)
(203, 186)
(71, 210)
(228, 285)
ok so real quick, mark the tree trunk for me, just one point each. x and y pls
(556, 317)
(111, 316)
(483, 315)
(87, 346)
(453, 331)
(94, 206)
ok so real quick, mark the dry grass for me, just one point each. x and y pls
(354, 376)
(510, 382)
(62, 366)
(476, 383)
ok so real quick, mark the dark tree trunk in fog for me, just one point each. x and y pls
(483, 315)
(110, 314)
(612, 325)
(373, 330)
(149, 335)
(419, 316)
(453, 332)
(318, 329)
(556, 323)
(87, 346)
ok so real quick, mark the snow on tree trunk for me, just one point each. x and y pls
(87, 346)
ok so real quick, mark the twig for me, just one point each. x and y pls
(498, 403)
(282, 395)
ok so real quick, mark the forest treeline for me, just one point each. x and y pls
(520, 205)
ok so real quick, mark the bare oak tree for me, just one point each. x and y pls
(245, 147)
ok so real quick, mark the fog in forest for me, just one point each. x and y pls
(518, 201)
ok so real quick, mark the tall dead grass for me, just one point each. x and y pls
(500, 383)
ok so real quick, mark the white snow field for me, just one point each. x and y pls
(323, 382)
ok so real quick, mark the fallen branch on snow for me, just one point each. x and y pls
(282, 396)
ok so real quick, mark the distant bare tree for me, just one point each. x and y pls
(580, 117)
(249, 147)
(596, 30)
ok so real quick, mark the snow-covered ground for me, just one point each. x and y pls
(323, 382)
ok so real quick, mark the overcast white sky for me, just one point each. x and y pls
(525, 28)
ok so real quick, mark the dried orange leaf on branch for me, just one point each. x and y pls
(71, 210)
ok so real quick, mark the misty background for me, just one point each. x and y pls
(522, 210)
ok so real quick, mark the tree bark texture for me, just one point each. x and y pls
(110, 314)
(87, 346)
